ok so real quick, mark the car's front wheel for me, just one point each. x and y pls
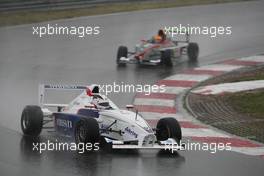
(168, 128)
(193, 51)
(166, 58)
(121, 52)
(32, 120)
(87, 131)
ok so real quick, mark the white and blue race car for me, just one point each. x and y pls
(92, 118)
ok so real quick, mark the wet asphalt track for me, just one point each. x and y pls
(26, 61)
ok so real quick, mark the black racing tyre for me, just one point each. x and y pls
(193, 51)
(87, 131)
(121, 52)
(168, 128)
(32, 120)
(166, 58)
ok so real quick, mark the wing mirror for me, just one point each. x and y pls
(130, 107)
(90, 106)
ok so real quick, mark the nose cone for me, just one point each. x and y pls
(128, 116)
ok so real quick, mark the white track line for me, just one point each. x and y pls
(219, 67)
(229, 87)
(157, 116)
(175, 90)
(202, 132)
(253, 58)
(189, 77)
(155, 102)
(255, 151)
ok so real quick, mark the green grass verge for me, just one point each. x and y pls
(25, 17)
(251, 103)
(256, 76)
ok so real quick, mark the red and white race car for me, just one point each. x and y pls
(153, 52)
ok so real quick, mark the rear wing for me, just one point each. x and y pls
(44, 87)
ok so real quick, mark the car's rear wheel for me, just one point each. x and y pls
(193, 51)
(32, 120)
(87, 131)
(168, 128)
(166, 58)
(121, 52)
